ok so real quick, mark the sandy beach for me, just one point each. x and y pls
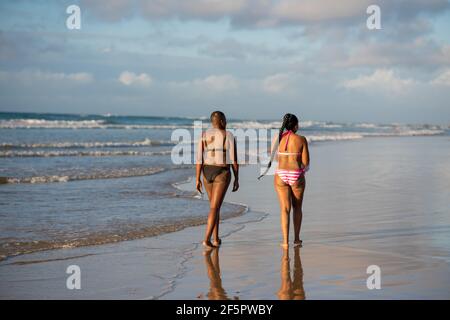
(391, 213)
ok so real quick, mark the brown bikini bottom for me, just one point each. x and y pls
(211, 172)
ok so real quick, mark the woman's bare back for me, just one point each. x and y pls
(295, 154)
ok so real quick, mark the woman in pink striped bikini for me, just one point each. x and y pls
(291, 151)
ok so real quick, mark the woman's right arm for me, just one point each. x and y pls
(235, 167)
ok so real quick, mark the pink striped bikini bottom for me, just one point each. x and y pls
(290, 176)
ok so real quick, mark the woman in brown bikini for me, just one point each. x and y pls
(216, 153)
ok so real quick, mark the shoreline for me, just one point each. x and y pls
(138, 233)
(162, 260)
(172, 250)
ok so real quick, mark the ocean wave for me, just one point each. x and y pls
(81, 124)
(253, 125)
(188, 123)
(360, 135)
(104, 124)
(27, 153)
(406, 133)
(110, 174)
(63, 149)
(50, 124)
(331, 125)
(334, 137)
(95, 144)
(366, 125)
(340, 136)
(277, 124)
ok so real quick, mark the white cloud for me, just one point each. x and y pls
(381, 79)
(443, 79)
(278, 83)
(33, 76)
(313, 10)
(389, 53)
(261, 13)
(206, 9)
(81, 77)
(129, 78)
(215, 83)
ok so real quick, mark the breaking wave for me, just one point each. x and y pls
(28, 153)
(95, 144)
(107, 174)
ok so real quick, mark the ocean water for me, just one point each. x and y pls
(76, 180)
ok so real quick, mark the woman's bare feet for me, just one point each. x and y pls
(217, 242)
(284, 245)
(208, 244)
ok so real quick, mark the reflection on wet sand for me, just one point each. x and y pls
(216, 291)
(291, 290)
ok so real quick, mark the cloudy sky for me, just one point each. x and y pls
(254, 59)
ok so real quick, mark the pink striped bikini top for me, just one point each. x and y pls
(288, 134)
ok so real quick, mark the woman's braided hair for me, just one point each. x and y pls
(289, 123)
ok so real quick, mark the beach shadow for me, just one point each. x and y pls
(291, 290)
(216, 291)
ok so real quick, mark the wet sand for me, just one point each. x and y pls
(374, 202)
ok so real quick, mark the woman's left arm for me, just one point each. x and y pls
(199, 165)
(305, 153)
